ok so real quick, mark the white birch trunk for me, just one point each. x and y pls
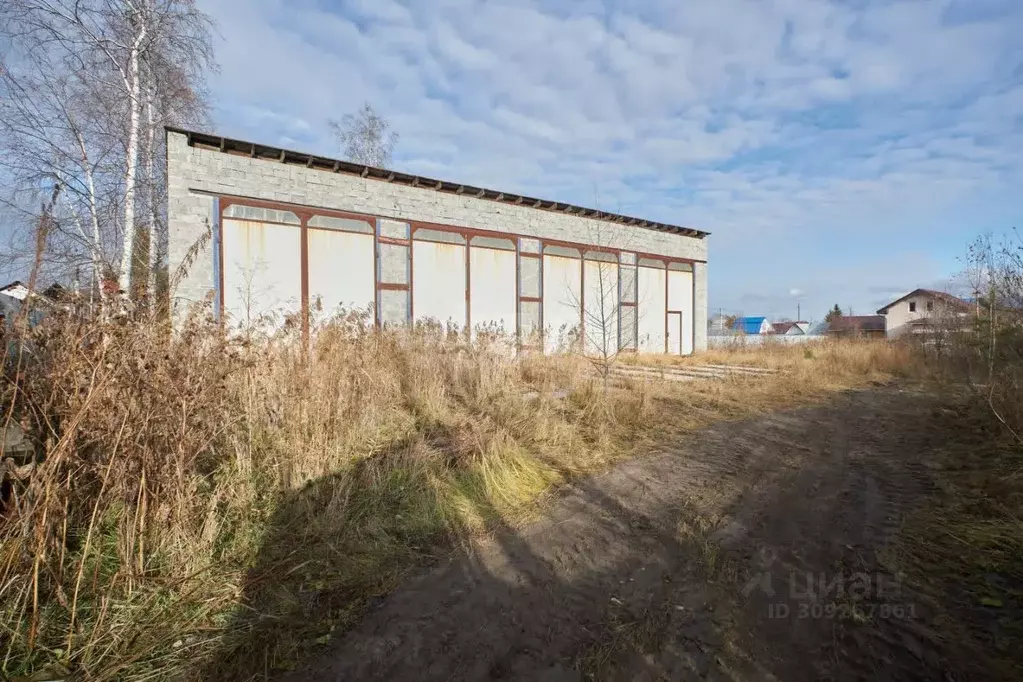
(95, 247)
(154, 259)
(131, 167)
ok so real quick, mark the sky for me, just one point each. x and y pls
(841, 151)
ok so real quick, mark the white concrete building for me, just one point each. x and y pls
(297, 233)
(923, 311)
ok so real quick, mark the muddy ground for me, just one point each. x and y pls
(769, 549)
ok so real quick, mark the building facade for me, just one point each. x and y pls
(924, 311)
(292, 233)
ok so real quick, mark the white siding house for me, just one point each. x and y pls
(922, 311)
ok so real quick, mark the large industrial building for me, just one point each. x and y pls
(295, 233)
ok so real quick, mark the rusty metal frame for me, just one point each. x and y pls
(634, 304)
(309, 211)
(303, 212)
(379, 286)
(518, 296)
(364, 219)
(468, 286)
(304, 274)
(377, 321)
(582, 300)
(415, 226)
(218, 244)
(668, 311)
(306, 213)
(520, 299)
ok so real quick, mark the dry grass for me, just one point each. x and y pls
(805, 372)
(963, 544)
(238, 501)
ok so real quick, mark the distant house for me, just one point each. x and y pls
(781, 328)
(719, 325)
(752, 326)
(13, 297)
(857, 325)
(924, 311)
(15, 290)
(790, 328)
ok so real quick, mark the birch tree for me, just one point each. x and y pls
(121, 69)
(365, 137)
(51, 136)
(608, 307)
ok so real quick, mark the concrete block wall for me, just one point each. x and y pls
(196, 173)
(700, 305)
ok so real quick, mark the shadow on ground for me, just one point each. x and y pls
(738, 553)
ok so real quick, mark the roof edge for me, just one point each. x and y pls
(917, 292)
(262, 151)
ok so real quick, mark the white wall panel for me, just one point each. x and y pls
(196, 173)
(262, 270)
(674, 333)
(652, 308)
(492, 288)
(562, 294)
(438, 282)
(680, 297)
(340, 271)
(600, 282)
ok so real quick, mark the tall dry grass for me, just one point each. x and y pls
(235, 501)
(164, 463)
(964, 542)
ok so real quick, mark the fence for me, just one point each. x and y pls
(760, 340)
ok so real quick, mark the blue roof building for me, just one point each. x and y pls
(752, 325)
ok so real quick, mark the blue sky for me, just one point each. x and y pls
(843, 151)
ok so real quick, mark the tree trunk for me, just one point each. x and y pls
(153, 199)
(131, 167)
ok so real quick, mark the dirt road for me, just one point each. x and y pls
(760, 550)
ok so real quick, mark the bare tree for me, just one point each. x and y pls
(992, 356)
(608, 306)
(85, 88)
(365, 137)
(601, 312)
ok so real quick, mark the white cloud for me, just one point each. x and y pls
(793, 130)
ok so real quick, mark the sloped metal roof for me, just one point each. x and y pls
(749, 325)
(782, 327)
